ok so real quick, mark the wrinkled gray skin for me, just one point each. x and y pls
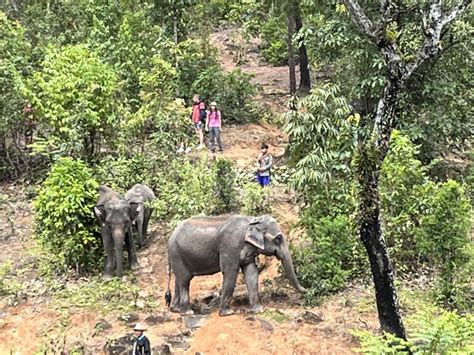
(140, 194)
(206, 245)
(115, 216)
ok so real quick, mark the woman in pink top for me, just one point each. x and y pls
(213, 125)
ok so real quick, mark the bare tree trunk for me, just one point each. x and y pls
(305, 79)
(291, 55)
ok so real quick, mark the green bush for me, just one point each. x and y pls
(65, 225)
(445, 239)
(256, 199)
(274, 47)
(187, 190)
(224, 187)
(406, 193)
(434, 332)
(329, 257)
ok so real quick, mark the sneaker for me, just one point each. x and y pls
(188, 149)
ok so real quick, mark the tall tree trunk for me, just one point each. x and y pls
(305, 79)
(291, 55)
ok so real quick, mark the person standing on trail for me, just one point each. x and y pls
(214, 126)
(264, 165)
(198, 115)
(141, 344)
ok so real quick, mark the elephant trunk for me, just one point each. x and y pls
(287, 263)
(118, 236)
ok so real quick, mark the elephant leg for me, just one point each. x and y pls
(230, 272)
(146, 220)
(132, 253)
(139, 222)
(176, 299)
(185, 307)
(109, 251)
(251, 280)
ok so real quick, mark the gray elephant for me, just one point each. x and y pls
(206, 245)
(141, 194)
(115, 215)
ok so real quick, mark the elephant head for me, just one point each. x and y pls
(115, 215)
(265, 234)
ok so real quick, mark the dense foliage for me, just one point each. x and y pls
(64, 221)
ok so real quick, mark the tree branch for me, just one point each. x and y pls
(361, 20)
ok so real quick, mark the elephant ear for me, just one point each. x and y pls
(134, 210)
(99, 212)
(254, 234)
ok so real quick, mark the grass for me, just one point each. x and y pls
(275, 316)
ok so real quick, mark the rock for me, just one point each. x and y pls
(194, 321)
(100, 326)
(3, 324)
(251, 319)
(141, 303)
(120, 346)
(129, 318)
(266, 325)
(310, 317)
(164, 349)
(143, 294)
(153, 320)
(207, 297)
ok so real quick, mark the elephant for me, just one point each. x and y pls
(115, 215)
(141, 194)
(207, 245)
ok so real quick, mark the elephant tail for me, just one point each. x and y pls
(168, 292)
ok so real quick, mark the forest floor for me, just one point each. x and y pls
(33, 318)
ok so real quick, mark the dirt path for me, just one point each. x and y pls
(33, 321)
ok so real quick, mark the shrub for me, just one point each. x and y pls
(435, 332)
(187, 190)
(74, 99)
(274, 45)
(406, 193)
(330, 256)
(256, 200)
(224, 187)
(64, 221)
(445, 239)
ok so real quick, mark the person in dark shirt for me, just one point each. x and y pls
(141, 344)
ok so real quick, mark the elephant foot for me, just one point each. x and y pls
(175, 309)
(107, 277)
(226, 312)
(135, 265)
(256, 308)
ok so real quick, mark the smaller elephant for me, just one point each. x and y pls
(141, 194)
(115, 215)
(207, 245)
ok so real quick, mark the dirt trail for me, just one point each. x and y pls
(286, 327)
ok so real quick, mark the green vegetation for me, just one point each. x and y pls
(64, 221)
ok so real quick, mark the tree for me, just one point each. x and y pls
(291, 11)
(305, 79)
(374, 143)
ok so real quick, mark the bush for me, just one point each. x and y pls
(406, 193)
(274, 45)
(74, 99)
(256, 199)
(445, 239)
(65, 224)
(435, 332)
(224, 188)
(187, 190)
(330, 256)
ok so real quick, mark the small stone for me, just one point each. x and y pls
(266, 325)
(143, 294)
(140, 303)
(102, 324)
(311, 317)
(129, 318)
(251, 319)
(2, 324)
(153, 320)
(194, 321)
